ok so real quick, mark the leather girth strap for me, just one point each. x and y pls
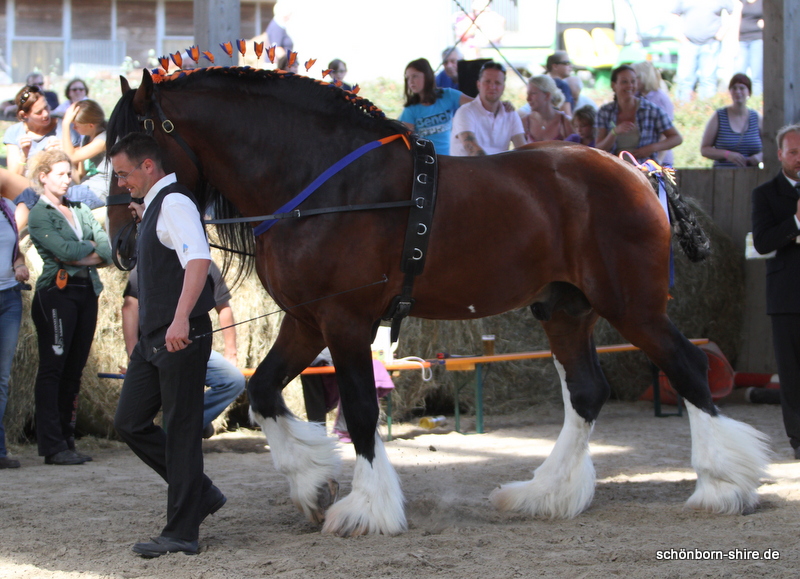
(420, 219)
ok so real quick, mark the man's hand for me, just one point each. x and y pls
(177, 337)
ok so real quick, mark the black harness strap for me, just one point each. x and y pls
(420, 219)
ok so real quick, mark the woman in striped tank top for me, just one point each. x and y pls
(733, 134)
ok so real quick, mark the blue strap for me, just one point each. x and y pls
(662, 197)
(329, 172)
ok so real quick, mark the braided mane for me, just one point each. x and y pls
(310, 93)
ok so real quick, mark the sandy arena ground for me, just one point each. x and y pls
(81, 521)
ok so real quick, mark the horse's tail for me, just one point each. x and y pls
(690, 234)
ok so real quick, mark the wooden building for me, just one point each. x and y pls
(86, 37)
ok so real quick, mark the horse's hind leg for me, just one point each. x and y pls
(563, 486)
(300, 450)
(729, 456)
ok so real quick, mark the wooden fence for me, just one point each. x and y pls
(725, 195)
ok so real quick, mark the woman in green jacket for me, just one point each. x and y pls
(72, 244)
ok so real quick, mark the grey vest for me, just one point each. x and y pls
(160, 272)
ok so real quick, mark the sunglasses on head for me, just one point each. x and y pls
(26, 94)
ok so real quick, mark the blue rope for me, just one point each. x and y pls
(329, 172)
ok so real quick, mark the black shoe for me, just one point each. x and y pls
(64, 457)
(6, 462)
(763, 395)
(212, 501)
(85, 457)
(162, 545)
(209, 430)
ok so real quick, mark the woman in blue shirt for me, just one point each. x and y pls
(429, 110)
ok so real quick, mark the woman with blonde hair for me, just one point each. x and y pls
(545, 121)
(651, 88)
(72, 244)
(88, 158)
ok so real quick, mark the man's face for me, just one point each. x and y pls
(451, 65)
(131, 175)
(789, 155)
(491, 85)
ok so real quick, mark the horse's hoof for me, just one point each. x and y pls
(326, 495)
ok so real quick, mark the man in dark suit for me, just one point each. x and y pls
(168, 365)
(776, 227)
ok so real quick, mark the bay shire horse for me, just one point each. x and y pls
(570, 231)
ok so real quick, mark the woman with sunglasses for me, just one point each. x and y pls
(76, 90)
(72, 245)
(37, 130)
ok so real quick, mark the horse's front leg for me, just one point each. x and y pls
(300, 450)
(375, 503)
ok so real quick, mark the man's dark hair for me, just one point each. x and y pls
(492, 65)
(557, 57)
(138, 147)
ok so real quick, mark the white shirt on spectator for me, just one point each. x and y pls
(493, 132)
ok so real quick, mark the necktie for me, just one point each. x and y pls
(10, 216)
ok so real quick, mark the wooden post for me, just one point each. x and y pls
(781, 73)
(216, 22)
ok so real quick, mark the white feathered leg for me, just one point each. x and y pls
(308, 458)
(563, 486)
(730, 457)
(375, 504)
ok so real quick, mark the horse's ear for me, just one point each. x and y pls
(123, 84)
(141, 99)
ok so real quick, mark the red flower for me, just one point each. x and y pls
(259, 48)
(194, 53)
(228, 48)
(241, 44)
(309, 63)
(209, 56)
(177, 59)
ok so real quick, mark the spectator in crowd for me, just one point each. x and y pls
(776, 210)
(583, 124)
(37, 79)
(703, 25)
(545, 121)
(733, 134)
(90, 166)
(750, 58)
(484, 126)
(224, 380)
(283, 64)
(559, 67)
(429, 110)
(448, 77)
(321, 393)
(576, 89)
(276, 30)
(13, 272)
(631, 123)
(36, 130)
(76, 90)
(650, 85)
(72, 244)
(338, 70)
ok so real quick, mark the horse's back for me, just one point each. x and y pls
(549, 212)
